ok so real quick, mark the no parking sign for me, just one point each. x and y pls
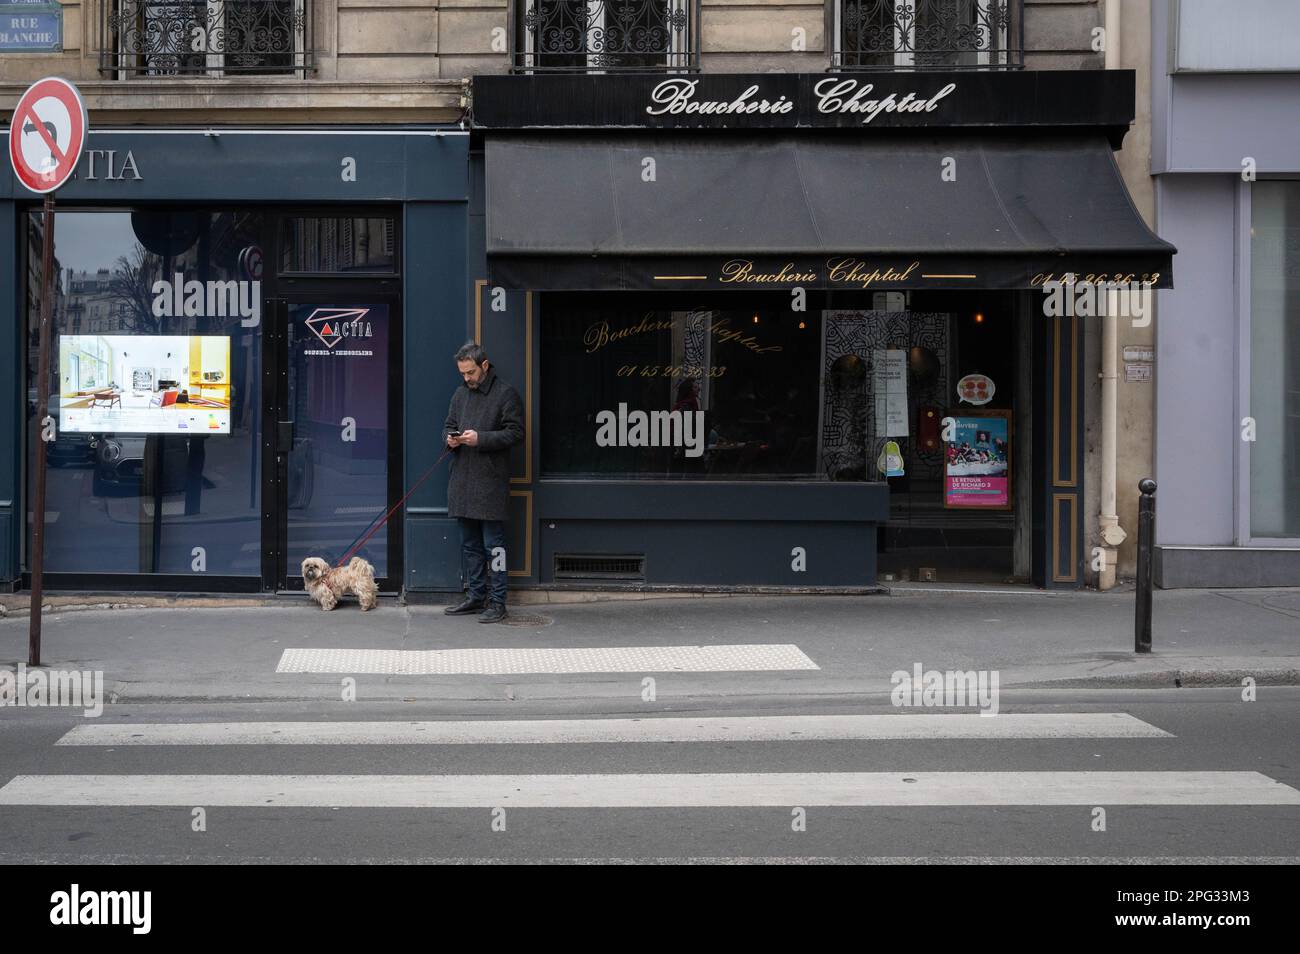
(46, 134)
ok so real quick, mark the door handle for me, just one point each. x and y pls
(283, 437)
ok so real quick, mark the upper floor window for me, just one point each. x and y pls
(205, 37)
(1212, 36)
(928, 34)
(598, 35)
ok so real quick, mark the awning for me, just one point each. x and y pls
(645, 211)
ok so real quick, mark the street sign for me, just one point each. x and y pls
(30, 27)
(46, 134)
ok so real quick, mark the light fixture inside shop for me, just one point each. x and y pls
(979, 317)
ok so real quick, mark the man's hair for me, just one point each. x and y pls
(471, 351)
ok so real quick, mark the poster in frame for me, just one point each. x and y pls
(977, 461)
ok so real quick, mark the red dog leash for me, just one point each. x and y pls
(374, 528)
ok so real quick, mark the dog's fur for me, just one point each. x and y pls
(326, 584)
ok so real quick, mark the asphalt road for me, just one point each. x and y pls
(1010, 816)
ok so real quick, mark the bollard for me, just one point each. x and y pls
(1145, 556)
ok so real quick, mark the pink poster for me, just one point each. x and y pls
(977, 463)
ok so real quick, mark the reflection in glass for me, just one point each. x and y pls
(345, 244)
(693, 394)
(175, 495)
(1275, 359)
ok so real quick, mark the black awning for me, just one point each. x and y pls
(816, 211)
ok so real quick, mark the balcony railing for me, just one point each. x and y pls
(591, 36)
(928, 34)
(205, 37)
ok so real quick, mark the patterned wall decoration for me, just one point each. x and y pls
(848, 441)
(693, 347)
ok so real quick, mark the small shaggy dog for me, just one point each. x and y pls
(326, 584)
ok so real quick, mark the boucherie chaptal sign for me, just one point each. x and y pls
(859, 100)
(834, 95)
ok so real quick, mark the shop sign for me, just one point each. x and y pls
(834, 95)
(1070, 99)
(333, 326)
(977, 461)
(31, 27)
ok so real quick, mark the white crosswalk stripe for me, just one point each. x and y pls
(1094, 725)
(752, 657)
(632, 790)
(657, 790)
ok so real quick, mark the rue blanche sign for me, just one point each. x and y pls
(1063, 99)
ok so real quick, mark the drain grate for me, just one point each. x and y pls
(526, 619)
(600, 566)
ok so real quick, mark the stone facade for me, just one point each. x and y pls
(408, 60)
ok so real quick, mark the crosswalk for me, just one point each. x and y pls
(287, 771)
(749, 789)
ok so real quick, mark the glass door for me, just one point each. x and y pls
(335, 433)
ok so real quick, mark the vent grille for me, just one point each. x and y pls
(600, 566)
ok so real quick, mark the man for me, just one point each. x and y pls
(485, 420)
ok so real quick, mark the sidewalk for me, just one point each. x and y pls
(160, 648)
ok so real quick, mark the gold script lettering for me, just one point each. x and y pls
(598, 334)
(742, 270)
(853, 271)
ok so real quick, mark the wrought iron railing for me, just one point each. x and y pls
(586, 36)
(928, 34)
(205, 37)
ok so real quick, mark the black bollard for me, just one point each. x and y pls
(1145, 557)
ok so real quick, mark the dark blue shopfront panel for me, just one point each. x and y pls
(725, 533)
(424, 170)
(264, 166)
(435, 328)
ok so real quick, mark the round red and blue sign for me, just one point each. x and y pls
(47, 134)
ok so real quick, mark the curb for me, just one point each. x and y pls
(19, 605)
(1175, 679)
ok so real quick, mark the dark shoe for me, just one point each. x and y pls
(494, 613)
(465, 607)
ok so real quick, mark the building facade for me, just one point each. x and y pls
(376, 184)
(1226, 161)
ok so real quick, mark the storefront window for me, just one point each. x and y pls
(154, 392)
(346, 244)
(679, 393)
(850, 390)
(1275, 359)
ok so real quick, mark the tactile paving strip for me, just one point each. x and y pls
(750, 657)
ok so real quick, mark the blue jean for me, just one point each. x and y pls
(478, 538)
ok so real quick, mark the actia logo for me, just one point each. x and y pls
(332, 325)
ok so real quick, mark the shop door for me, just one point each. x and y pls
(334, 428)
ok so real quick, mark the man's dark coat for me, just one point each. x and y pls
(479, 487)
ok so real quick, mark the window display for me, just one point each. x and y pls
(137, 385)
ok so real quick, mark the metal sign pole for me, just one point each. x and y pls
(42, 413)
